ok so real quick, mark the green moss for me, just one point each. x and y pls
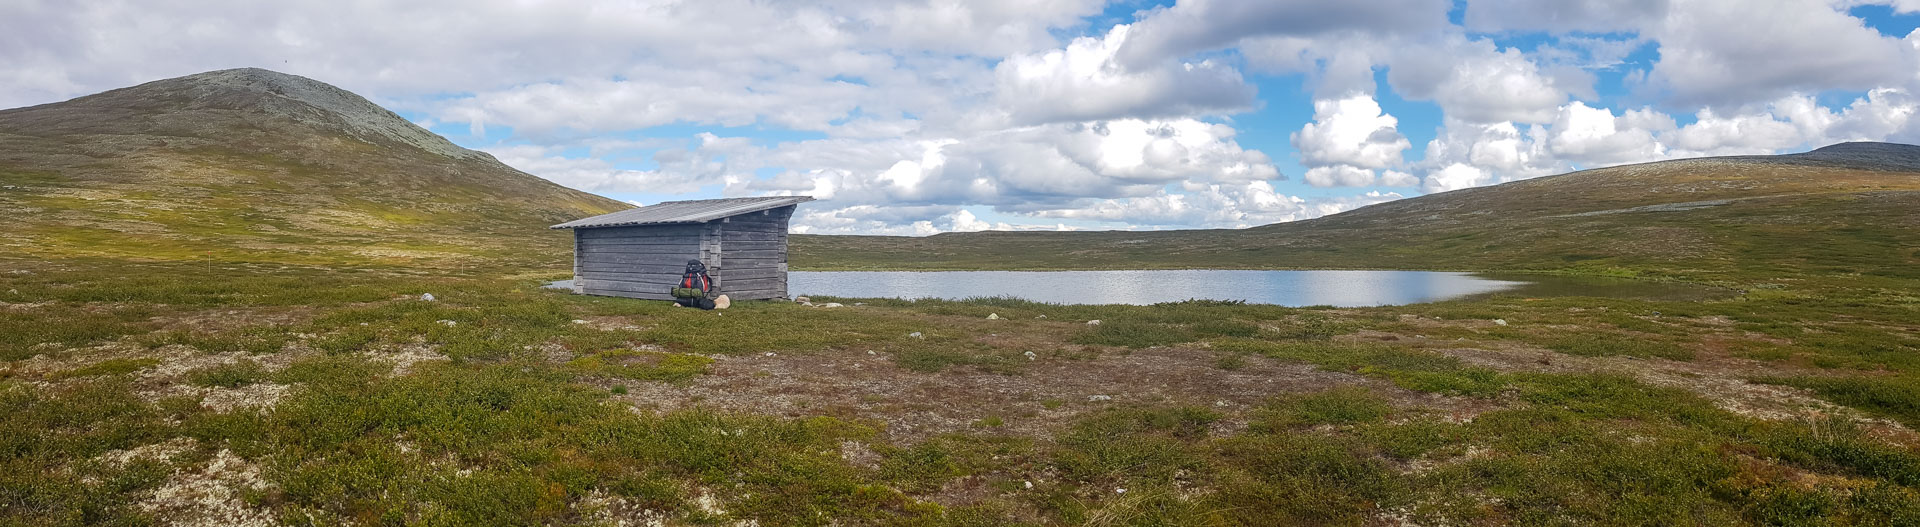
(642, 365)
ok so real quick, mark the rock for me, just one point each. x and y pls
(578, 321)
(1029, 484)
(916, 335)
(1030, 355)
(993, 316)
(832, 304)
(721, 302)
(1093, 322)
(1098, 398)
(801, 299)
(1041, 316)
(448, 323)
(770, 354)
(870, 352)
(1119, 491)
(1500, 321)
(426, 297)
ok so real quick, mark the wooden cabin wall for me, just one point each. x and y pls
(753, 254)
(635, 262)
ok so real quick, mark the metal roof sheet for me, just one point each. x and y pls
(692, 211)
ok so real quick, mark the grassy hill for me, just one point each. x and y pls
(253, 165)
(1846, 209)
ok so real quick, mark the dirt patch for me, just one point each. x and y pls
(1036, 402)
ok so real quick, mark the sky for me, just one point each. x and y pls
(916, 117)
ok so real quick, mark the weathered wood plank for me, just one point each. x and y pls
(747, 245)
(629, 294)
(641, 259)
(753, 262)
(754, 236)
(731, 254)
(642, 232)
(683, 248)
(732, 229)
(756, 220)
(683, 241)
(747, 274)
(729, 286)
(672, 269)
(622, 285)
(617, 276)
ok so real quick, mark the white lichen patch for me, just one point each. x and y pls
(211, 496)
(177, 361)
(600, 508)
(163, 452)
(406, 358)
(706, 503)
(253, 396)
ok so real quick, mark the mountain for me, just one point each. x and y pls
(1847, 209)
(255, 165)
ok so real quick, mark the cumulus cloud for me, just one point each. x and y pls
(1731, 52)
(1026, 167)
(681, 169)
(1083, 82)
(1198, 25)
(1216, 205)
(1580, 137)
(1593, 16)
(1348, 140)
(1350, 131)
(1474, 80)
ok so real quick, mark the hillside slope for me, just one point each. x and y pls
(1852, 208)
(255, 165)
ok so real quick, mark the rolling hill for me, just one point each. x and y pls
(254, 165)
(1847, 209)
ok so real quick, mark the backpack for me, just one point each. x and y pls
(695, 286)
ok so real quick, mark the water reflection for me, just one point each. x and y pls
(1290, 288)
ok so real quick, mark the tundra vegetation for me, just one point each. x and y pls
(216, 316)
(139, 392)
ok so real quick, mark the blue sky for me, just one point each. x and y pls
(923, 116)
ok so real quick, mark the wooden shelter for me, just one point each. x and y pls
(641, 252)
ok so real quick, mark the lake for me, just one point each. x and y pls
(1286, 288)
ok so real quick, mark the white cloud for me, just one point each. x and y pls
(1216, 205)
(1033, 166)
(1082, 82)
(1456, 176)
(1593, 137)
(1593, 16)
(1350, 131)
(1731, 52)
(1198, 25)
(1473, 80)
(1339, 176)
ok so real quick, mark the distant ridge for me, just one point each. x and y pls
(1892, 157)
(252, 163)
(1851, 209)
